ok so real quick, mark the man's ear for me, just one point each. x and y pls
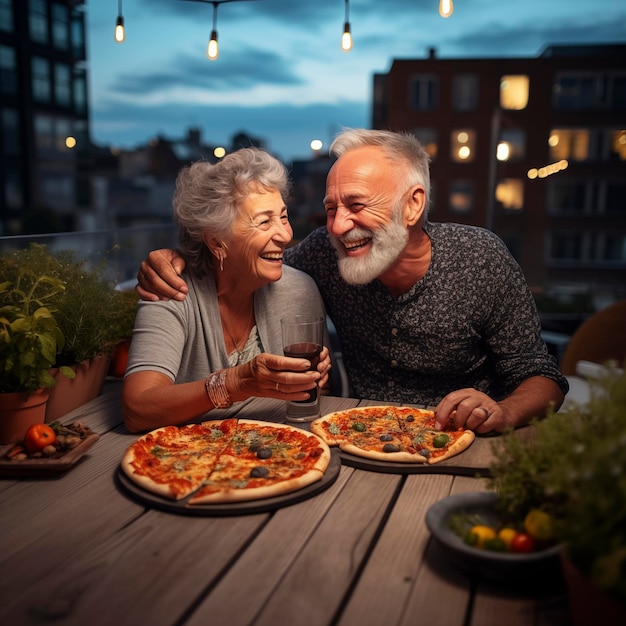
(416, 203)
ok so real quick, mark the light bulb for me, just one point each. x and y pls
(346, 38)
(120, 33)
(446, 8)
(212, 50)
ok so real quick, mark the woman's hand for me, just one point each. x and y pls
(273, 376)
(323, 367)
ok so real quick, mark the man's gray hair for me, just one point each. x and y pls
(397, 146)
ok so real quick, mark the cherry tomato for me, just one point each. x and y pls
(522, 543)
(38, 436)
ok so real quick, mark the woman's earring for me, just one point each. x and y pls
(221, 262)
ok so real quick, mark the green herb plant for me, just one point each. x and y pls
(574, 468)
(90, 313)
(30, 338)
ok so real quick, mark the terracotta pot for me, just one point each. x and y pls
(18, 411)
(588, 604)
(68, 395)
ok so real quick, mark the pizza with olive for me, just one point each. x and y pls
(226, 461)
(391, 433)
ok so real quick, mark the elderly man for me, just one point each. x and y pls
(427, 313)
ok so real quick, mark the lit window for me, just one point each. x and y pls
(465, 92)
(510, 194)
(428, 138)
(512, 145)
(571, 144)
(424, 93)
(514, 92)
(463, 145)
(461, 196)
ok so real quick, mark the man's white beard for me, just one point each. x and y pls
(388, 241)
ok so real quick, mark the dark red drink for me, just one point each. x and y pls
(310, 351)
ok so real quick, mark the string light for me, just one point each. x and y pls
(346, 37)
(446, 8)
(212, 49)
(120, 32)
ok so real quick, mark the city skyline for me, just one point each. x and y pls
(281, 75)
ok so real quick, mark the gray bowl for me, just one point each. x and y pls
(485, 563)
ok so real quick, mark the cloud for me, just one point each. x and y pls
(193, 71)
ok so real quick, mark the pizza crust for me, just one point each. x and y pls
(195, 451)
(336, 430)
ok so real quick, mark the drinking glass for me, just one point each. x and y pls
(303, 337)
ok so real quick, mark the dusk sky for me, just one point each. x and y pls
(281, 75)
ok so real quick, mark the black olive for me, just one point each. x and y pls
(391, 447)
(259, 472)
(254, 445)
(424, 452)
(264, 453)
(410, 418)
(386, 438)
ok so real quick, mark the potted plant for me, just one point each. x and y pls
(574, 469)
(87, 310)
(30, 340)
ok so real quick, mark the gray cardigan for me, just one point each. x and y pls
(184, 340)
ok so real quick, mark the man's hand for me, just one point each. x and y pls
(159, 278)
(470, 408)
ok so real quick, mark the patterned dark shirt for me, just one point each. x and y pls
(471, 321)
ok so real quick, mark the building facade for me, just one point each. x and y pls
(531, 148)
(44, 117)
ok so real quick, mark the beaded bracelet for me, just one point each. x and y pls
(215, 386)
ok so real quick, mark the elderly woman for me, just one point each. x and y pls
(223, 343)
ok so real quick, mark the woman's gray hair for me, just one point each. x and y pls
(207, 198)
(397, 147)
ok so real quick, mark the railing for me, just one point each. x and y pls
(121, 250)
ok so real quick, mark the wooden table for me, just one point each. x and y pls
(76, 549)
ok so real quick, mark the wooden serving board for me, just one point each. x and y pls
(43, 466)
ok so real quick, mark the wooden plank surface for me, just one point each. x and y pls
(313, 589)
(249, 584)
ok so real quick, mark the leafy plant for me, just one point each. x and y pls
(30, 338)
(89, 311)
(574, 468)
